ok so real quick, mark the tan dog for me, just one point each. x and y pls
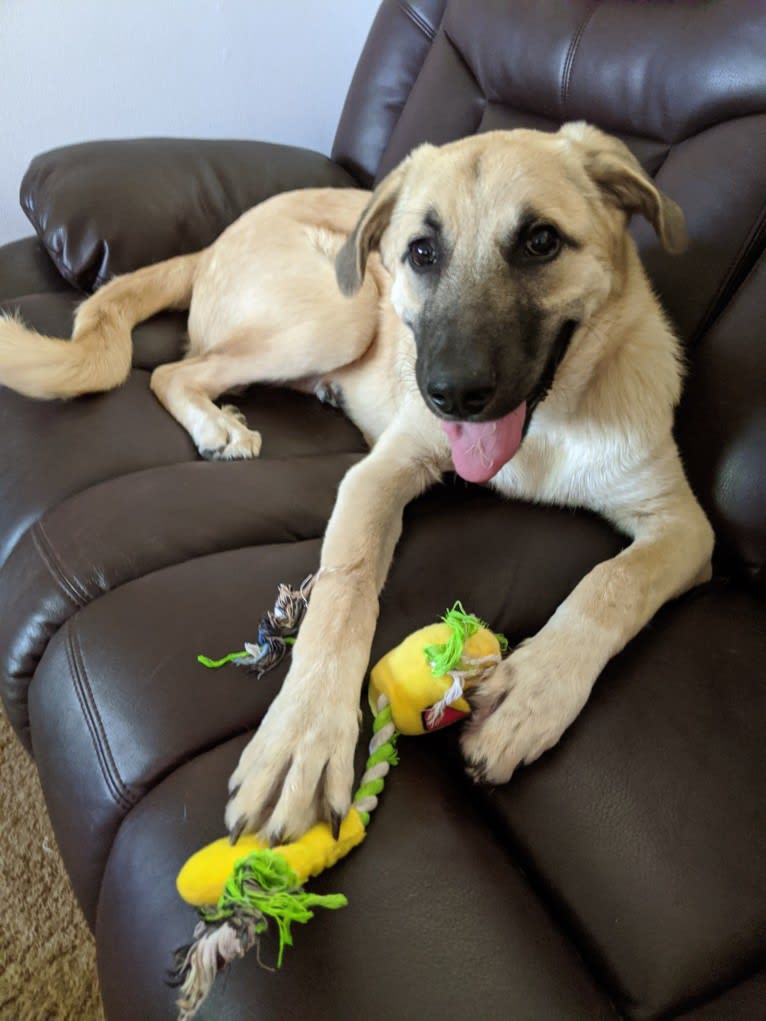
(496, 318)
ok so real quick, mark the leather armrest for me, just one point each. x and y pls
(102, 208)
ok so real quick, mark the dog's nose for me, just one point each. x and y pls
(460, 401)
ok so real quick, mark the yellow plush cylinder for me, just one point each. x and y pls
(404, 675)
(203, 877)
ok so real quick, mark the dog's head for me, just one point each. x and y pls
(500, 246)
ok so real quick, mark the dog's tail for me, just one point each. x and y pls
(99, 354)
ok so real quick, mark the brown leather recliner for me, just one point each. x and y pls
(624, 874)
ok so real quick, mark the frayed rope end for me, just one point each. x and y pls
(262, 886)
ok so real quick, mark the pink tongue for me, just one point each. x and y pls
(480, 449)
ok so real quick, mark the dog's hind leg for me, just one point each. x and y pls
(330, 339)
(187, 390)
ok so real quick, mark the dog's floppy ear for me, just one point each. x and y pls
(621, 178)
(351, 260)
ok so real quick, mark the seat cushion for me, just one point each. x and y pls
(646, 825)
(26, 268)
(135, 524)
(623, 869)
(117, 682)
(440, 922)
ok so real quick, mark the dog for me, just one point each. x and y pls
(483, 310)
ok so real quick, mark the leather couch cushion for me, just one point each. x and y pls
(136, 645)
(744, 1001)
(118, 530)
(629, 833)
(119, 689)
(53, 449)
(150, 199)
(441, 922)
(721, 426)
(645, 824)
(559, 63)
(26, 268)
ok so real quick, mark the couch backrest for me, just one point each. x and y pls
(684, 85)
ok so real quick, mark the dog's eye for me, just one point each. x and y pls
(542, 242)
(423, 253)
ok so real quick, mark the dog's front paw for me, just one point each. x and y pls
(297, 770)
(521, 711)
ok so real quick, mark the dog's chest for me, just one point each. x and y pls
(556, 467)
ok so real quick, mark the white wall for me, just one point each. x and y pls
(77, 70)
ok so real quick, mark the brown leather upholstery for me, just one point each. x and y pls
(136, 217)
(624, 874)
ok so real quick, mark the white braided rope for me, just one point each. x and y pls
(213, 948)
(478, 667)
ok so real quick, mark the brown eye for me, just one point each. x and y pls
(542, 242)
(423, 253)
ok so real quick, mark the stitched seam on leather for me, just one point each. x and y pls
(568, 69)
(54, 565)
(738, 271)
(119, 790)
(418, 20)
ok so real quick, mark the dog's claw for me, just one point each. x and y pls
(477, 773)
(335, 823)
(276, 838)
(482, 707)
(237, 830)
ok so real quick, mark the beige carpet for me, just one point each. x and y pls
(47, 955)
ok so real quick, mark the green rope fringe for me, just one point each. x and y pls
(446, 656)
(214, 664)
(264, 886)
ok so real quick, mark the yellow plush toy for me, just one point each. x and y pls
(424, 677)
(415, 688)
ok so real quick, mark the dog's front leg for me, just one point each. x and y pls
(298, 768)
(536, 693)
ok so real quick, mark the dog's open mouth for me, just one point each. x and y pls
(480, 449)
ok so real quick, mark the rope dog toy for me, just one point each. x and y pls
(417, 687)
